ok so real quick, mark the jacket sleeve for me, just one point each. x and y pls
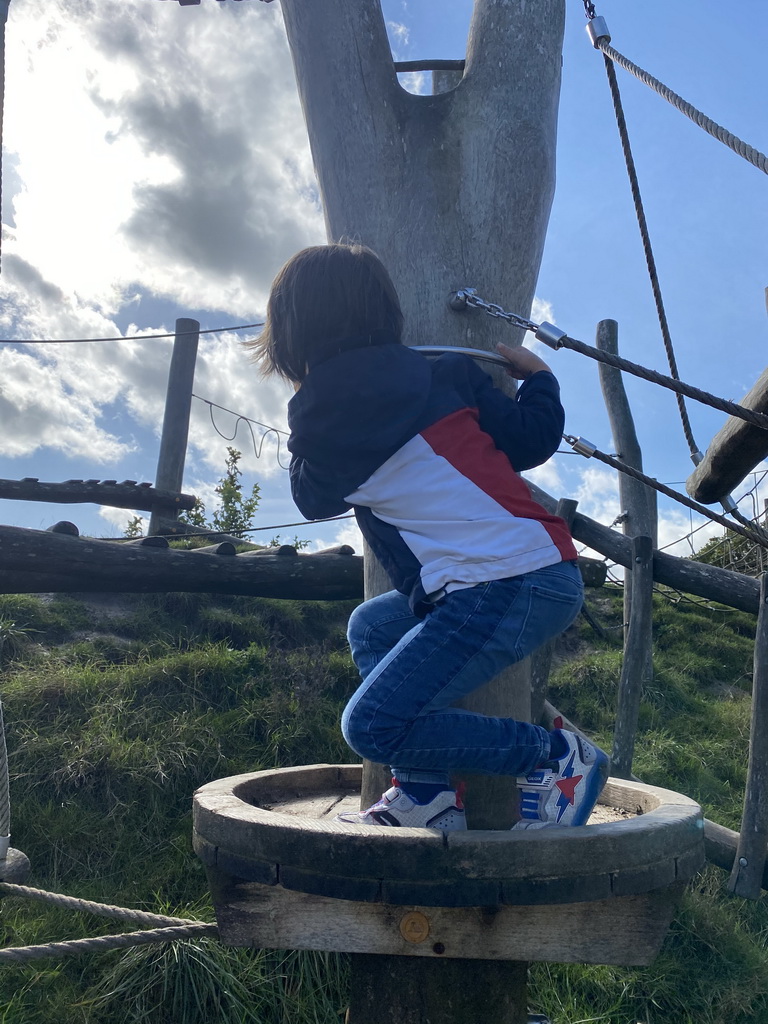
(527, 428)
(314, 492)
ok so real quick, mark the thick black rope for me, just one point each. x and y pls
(647, 248)
(757, 419)
(754, 533)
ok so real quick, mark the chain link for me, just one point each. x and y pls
(589, 9)
(470, 296)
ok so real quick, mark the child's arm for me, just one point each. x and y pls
(527, 428)
(313, 491)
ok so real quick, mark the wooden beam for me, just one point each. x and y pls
(127, 494)
(733, 452)
(39, 562)
(722, 585)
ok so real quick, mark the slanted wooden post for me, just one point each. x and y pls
(637, 501)
(451, 190)
(747, 875)
(636, 660)
(178, 402)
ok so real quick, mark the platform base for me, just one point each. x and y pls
(621, 930)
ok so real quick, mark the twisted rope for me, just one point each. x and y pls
(758, 419)
(754, 534)
(741, 148)
(647, 248)
(103, 943)
(89, 907)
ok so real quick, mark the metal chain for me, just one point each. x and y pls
(467, 297)
(589, 9)
(471, 298)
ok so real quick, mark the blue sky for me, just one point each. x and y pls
(155, 165)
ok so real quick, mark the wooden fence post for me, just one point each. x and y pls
(178, 402)
(634, 671)
(747, 875)
(637, 501)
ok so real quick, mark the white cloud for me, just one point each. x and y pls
(182, 170)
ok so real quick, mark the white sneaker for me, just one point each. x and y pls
(564, 791)
(396, 808)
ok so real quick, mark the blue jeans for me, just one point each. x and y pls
(413, 670)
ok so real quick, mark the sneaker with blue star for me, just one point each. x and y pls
(564, 790)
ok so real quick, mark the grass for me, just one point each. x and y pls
(115, 719)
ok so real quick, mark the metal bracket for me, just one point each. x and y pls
(598, 30)
(550, 335)
(580, 445)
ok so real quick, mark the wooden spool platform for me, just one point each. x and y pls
(284, 875)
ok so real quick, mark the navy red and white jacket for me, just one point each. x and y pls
(427, 453)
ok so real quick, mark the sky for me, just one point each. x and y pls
(156, 165)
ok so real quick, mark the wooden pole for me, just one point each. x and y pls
(635, 665)
(541, 660)
(178, 402)
(637, 501)
(748, 867)
(427, 181)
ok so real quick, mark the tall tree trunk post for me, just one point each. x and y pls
(451, 190)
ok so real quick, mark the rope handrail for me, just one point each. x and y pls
(555, 338)
(167, 929)
(741, 148)
(758, 419)
(755, 534)
(104, 943)
(59, 899)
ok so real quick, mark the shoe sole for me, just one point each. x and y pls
(596, 780)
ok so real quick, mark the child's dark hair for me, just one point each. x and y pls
(325, 299)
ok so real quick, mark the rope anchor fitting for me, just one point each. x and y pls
(544, 332)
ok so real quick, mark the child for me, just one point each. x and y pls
(427, 453)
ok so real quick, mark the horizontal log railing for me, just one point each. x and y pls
(127, 494)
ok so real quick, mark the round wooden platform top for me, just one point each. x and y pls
(276, 827)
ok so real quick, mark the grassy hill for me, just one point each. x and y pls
(118, 708)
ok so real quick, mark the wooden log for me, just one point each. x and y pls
(749, 863)
(638, 501)
(708, 581)
(64, 527)
(635, 666)
(593, 571)
(733, 452)
(39, 562)
(127, 494)
(224, 549)
(178, 402)
(141, 542)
